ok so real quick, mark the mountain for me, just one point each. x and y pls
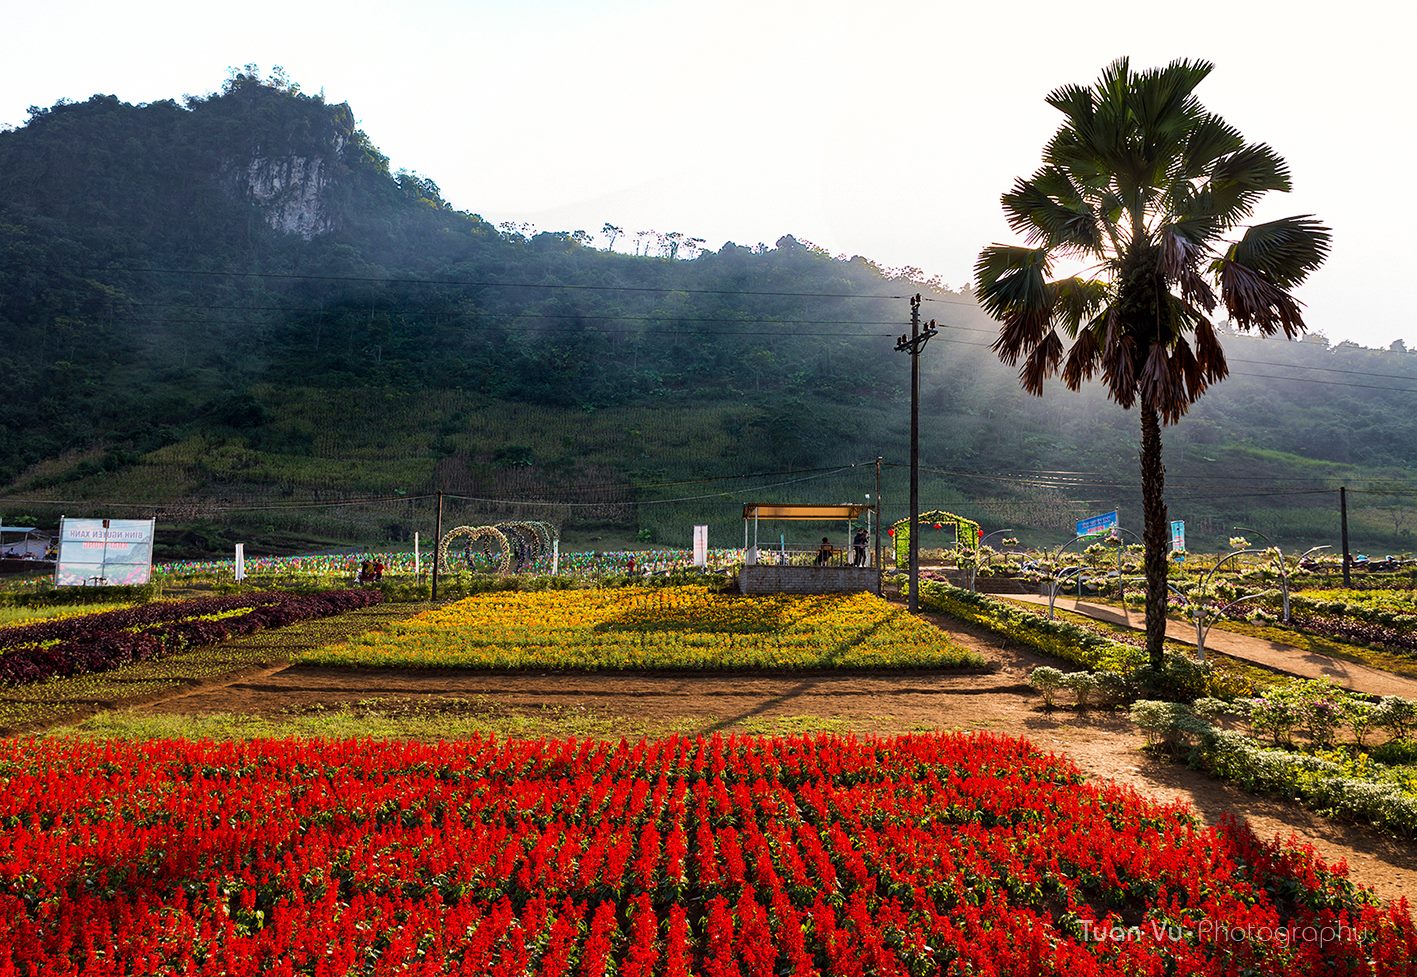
(226, 310)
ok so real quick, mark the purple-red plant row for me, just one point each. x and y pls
(99, 642)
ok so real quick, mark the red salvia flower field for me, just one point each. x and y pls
(732, 857)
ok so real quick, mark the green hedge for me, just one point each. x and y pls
(1320, 784)
(1060, 639)
(1181, 676)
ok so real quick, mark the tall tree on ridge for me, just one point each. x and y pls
(1145, 187)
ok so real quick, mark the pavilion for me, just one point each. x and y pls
(809, 571)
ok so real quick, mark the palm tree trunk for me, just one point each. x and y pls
(1155, 535)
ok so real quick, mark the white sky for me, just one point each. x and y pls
(887, 129)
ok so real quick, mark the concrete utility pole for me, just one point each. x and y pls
(1343, 520)
(880, 527)
(914, 344)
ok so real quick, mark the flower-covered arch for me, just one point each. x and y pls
(967, 532)
(507, 547)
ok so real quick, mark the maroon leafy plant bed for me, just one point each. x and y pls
(100, 642)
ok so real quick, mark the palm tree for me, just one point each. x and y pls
(1146, 189)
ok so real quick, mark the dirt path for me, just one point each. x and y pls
(1271, 654)
(1104, 745)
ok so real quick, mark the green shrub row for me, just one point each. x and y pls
(1181, 677)
(1324, 785)
(1061, 639)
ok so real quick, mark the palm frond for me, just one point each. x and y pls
(1180, 258)
(1255, 167)
(1076, 300)
(1049, 220)
(1041, 363)
(1011, 284)
(1163, 382)
(1237, 183)
(1163, 104)
(1209, 139)
(1284, 250)
(1195, 214)
(1186, 366)
(1255, 302)
(1113, 84)
(1073, 149)
(1119, 372)
(1074, 101)
(1209, 352)
(1161, 94)
(1085, 356)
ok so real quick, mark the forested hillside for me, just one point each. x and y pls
(223, 310)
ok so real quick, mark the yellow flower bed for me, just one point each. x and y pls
(667, 628)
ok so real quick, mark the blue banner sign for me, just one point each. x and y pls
(1178, 536)
(1098, 525)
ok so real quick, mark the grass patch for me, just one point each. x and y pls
(385, 718)
(788, 725)
(439, 718)
(669, 628)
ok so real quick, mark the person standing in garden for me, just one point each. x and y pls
(858, 543)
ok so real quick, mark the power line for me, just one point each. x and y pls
(1094, 481)
(778, 333)
(222, 506)
(645, 502)
(457, 283)
(1250, 495)
(350, 309)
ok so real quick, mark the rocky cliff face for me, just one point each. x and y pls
(292, 190)
(292, 187)
(290, 193)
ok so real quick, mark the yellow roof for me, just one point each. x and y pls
(821, 513)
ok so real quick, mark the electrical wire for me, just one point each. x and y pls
(646, 502)
(459, 283)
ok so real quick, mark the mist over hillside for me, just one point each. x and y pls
(223, 310)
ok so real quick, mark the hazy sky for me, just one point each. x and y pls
(886, 129)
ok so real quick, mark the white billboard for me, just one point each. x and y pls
(104, 552)
(701, 546)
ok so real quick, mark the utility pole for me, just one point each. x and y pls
(914, 344)
(437, 546)
(1343, 523)
(880, 527)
